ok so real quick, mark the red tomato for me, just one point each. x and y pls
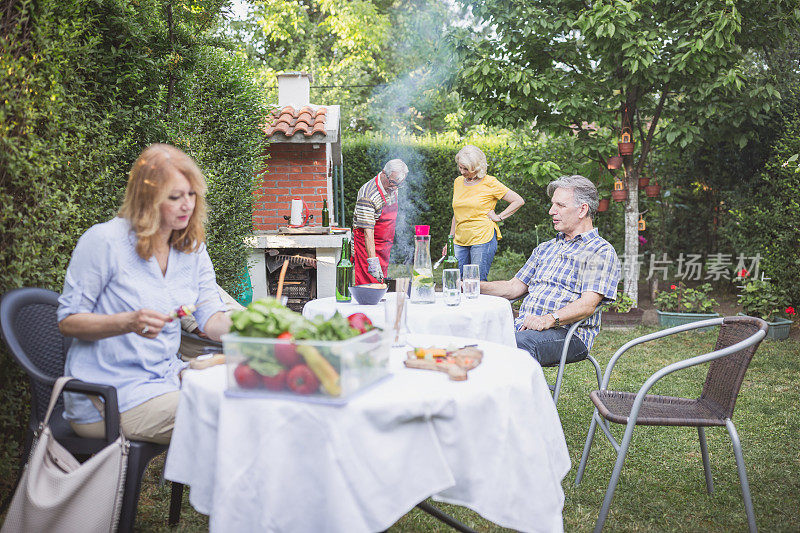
(246, 377)
(302, 380)
(276, 382)
(360, 321)
(286, 354)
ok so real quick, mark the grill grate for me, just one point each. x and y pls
(300, 281)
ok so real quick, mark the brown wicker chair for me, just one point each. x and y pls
(738, 340)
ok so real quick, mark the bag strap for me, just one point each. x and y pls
(57, 388)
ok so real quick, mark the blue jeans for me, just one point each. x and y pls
(477, 254)
(545, 346)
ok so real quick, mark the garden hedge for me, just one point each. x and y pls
(86, 85)
(766, 220)
(523, 165)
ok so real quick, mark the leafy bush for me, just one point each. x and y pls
(765, 217)
(622, 304)
(505, 265)
(86, 85)
(764, 299)
(218, 125)
(682, 299)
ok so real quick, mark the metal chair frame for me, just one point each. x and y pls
(555, 389)
(622, 449)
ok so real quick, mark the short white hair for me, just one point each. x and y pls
(473, 159)
(395, 166)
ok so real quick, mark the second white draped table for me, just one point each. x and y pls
(485, 317)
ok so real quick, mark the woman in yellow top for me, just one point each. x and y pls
(474, 224)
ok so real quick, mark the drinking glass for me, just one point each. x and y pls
(472, 281)
(451, 289)
(397, 328)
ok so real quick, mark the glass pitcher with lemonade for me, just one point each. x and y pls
(422, 287)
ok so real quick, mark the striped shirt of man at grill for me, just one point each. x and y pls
(370, 203)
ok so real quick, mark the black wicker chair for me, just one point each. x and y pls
(30, 330)
(738, 339)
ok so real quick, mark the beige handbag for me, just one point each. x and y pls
(58, 494)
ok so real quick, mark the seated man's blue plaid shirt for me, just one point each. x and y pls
(559, 272)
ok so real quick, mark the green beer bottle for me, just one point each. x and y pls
(344, 273)
(326, 217)
(450, 260)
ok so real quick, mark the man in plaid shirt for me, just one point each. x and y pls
(566, 278)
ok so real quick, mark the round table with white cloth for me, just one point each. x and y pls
(485, 317)
(493, 443)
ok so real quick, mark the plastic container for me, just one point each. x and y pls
(356, 363)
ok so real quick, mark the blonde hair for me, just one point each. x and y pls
(473, 159)
(147, 190)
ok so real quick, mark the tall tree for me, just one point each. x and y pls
(357, 50)
(663, 68)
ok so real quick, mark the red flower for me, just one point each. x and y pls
(673, 287)
(790, 311)
(743, 273)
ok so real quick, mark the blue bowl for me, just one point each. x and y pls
(366, 294)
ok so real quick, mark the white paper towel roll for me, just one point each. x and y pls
(296, 216)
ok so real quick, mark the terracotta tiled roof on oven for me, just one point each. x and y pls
(290, 121)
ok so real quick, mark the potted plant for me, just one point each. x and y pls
(682, 305)
(603, 204)
(621, 313)
(763, 299)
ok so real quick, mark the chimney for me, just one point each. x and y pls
(294, 89)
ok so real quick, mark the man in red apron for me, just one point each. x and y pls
(373, 222)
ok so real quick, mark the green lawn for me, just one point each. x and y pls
(662, 486)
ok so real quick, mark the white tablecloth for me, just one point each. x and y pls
(493, 443)
(485, 317)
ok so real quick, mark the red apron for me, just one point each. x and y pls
(384, 238)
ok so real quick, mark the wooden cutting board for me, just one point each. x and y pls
(456, 364)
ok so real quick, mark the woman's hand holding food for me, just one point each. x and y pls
(147, 323)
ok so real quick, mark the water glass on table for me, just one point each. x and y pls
(451, 286)
(472, 281)
(396, 327)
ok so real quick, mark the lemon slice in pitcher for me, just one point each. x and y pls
(422, 278)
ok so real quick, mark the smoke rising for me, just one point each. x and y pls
(403, 105)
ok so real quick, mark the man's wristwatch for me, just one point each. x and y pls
(557, 319)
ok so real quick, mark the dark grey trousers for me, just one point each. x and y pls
(545, 346)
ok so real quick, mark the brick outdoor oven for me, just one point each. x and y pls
(305, 162)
